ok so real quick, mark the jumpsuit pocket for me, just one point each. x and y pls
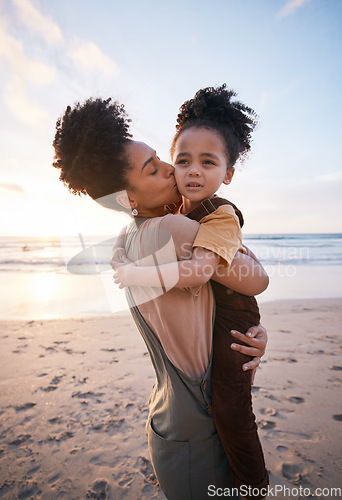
(171, 463)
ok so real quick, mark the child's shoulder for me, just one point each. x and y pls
(210, 206)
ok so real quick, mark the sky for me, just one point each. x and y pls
(282, 57)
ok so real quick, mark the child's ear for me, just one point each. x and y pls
(229, 175)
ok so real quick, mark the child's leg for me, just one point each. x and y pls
(232, 402)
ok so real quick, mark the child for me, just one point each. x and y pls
(213, 131)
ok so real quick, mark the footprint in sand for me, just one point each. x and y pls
(56, 420)
(266, 424)
(86, 395)
(112, 349)
(338, 417)
(49, 388)
(285, 360)
(99, 490)
(53, 384)
(33, 470)
(53, 479)
(30, 490)
(25, 406)
(127, 479)
(295, 399)
(146, 469)
(271, 412)
(335, 367)
(293, 472)
(63, 436)
(6, 486)
(20, 439)
(282, 449)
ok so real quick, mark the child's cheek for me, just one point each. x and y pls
(178, 177)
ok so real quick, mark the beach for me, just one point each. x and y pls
(74, 396)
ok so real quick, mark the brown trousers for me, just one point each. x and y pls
(231, 386)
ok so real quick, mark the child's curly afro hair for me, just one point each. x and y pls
(214, 108)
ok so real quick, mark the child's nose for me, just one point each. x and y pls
(194, 170)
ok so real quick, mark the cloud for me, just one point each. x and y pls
(37, 22)
(290, 7)
(13, 188)
(19, 103)
(25, 72)
(41, 67)
(90, 57)
(265, 98)
(308, 204)
(30, 70)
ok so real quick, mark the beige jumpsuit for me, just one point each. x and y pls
(185, 449)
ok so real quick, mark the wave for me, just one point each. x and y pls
(33, 255)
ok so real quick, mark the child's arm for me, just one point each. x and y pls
(186, 273)
(220, 232)
(245, 275)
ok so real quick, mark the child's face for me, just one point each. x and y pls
(201, 164)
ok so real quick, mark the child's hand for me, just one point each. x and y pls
(123, 276)
(122, 267)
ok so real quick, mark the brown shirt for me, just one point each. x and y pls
(181, 318)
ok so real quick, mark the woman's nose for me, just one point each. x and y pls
(169, 169)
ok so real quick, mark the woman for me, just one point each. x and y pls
(96, 156)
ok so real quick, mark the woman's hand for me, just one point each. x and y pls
(256, 340)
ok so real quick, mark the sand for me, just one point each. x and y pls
(74, 404)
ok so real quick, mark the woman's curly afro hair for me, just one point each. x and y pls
(89, 145)
(214, 108)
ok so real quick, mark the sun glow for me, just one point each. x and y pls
(45, 286)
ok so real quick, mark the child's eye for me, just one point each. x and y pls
(208, 162)
(182, 162)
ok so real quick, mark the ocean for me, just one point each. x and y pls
(69, 276)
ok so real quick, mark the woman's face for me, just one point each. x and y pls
(152, 182)
(201, 164)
